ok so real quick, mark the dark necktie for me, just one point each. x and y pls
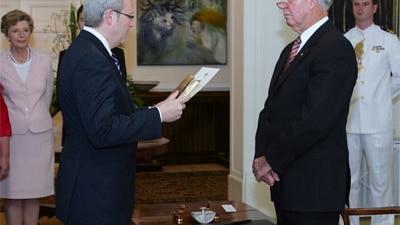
(116, 62)
(293, 52)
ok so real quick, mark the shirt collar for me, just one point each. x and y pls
(366, 30)
(311, 30)
(100, 37)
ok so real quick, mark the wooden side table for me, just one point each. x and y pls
(163, 214)
(149, 149)
(146, 153)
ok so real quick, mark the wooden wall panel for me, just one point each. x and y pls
(202, 134)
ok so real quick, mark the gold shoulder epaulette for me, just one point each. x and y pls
(387, 30)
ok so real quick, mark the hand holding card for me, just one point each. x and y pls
(193, 84)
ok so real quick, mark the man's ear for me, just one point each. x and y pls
(375, 7)
(108, 16)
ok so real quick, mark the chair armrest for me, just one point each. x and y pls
(372, 211)
(368, 211)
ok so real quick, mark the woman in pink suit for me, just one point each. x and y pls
(27, 78)
(5, 133)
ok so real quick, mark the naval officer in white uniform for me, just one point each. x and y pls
(370, 121)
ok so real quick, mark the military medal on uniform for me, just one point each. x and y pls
(359, 49)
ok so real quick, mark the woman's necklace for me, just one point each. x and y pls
(28, 57)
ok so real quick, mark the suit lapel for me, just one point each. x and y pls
(10, 69)
(280, 76)
(103, 50)
(35, 66)
(284, 74)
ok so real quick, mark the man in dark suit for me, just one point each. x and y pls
(301, 149)
(119, 53)
(96, 176)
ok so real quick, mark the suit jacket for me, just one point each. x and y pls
(301, 130)
(96, 177)
(28, 102)
(119, 52)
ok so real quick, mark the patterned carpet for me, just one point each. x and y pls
(183, 183)
(174, 184)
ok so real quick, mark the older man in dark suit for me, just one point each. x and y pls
(301, 149)
(96, 177)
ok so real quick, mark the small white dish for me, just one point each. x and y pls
(203, 216)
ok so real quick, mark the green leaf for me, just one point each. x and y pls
(54, 106)
(72, 22)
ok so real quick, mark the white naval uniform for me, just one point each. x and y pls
(370, 121)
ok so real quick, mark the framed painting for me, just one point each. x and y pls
(181, 32)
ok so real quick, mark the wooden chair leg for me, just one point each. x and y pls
(345, 217)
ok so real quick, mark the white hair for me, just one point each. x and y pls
(94, 10)
(325, 4)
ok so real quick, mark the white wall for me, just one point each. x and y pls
(264, 35)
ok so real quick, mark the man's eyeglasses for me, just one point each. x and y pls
(284, 5)
(129, 16)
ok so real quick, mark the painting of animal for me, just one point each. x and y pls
(166, 34)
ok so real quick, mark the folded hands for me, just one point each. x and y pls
(262, 170)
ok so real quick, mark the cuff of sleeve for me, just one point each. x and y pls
(159, 111)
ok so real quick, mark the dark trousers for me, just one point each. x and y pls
(285, 217)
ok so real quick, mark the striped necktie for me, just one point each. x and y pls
(293, 52)
(116, 62)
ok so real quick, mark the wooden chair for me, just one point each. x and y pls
(367, 211)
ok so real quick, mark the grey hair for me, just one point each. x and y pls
(325, 4)
(94, 10)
